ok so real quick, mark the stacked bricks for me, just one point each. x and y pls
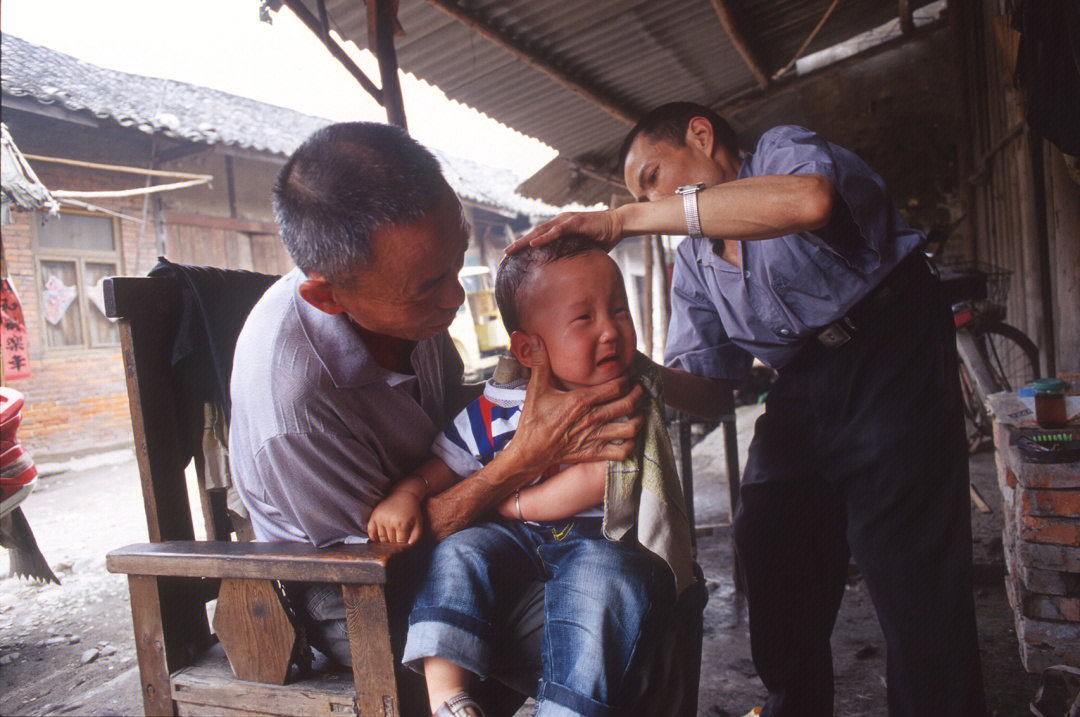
(1041, 540)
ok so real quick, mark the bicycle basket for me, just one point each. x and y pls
(975, 281)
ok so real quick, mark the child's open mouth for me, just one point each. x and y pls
(607, 360)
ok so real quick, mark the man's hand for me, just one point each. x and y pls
(397, 519)
(585, 424)
(597, 423)
(603, 227)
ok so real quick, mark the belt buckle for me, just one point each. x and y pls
(834, 335)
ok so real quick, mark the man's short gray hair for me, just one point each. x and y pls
(346, 182)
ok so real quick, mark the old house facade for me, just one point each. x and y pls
(92, 130)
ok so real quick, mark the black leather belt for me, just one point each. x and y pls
(850, 324)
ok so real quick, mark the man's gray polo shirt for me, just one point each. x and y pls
(319, 430)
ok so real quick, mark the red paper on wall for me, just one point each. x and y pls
(15, 351)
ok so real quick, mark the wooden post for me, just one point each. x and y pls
(369, 645)
(907, 22)
(381, 15)
(960, 45)
(315, 25)
(723, 12)
(230, 186)
(150, 645)
(1042, 246)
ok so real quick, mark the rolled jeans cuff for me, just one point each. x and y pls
(555, 700)
(430, 638)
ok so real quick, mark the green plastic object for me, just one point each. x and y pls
(1049, 385)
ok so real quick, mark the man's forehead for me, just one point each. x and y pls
(404, 256)
(642, 150)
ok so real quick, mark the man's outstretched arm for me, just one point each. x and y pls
(705, 398)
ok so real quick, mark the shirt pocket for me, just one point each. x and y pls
(813, 286)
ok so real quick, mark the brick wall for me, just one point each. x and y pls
(1041, 539)
(76, 400)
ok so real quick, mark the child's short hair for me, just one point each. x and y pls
(514, 268)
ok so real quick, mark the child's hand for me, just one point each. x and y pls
(397, 519)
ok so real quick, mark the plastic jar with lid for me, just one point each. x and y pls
(1050, 402)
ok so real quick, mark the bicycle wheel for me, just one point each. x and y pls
(1012, 357)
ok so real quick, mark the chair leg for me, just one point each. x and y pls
(372, 656)
(150, 645)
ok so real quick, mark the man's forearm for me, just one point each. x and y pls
(747, 209)
(462, 504)
(705, 398)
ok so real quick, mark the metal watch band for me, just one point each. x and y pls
(689, 194)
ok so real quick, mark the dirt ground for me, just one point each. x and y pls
(68, 649)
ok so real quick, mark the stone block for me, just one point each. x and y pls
(1061, 558)
(1054, 608)
(1049, 503)
(1056, 531)
(1037, 660)
(1054, 476)
(1048, 582)
(1061, 639)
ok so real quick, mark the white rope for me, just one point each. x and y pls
(138, 191)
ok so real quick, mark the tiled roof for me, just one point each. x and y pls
(200, 114)
(19, 186)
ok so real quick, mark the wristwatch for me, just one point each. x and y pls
(689, 194)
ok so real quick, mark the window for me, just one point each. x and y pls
(75, 253)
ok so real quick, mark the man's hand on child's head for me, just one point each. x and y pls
(585, 424)
(604, 227)
(397, 519)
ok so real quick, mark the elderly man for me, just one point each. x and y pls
(344, 371)
(797, 257)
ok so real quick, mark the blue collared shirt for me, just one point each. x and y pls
(785, 289)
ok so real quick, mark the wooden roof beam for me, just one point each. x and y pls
(723, 11)
(536, 60)
(321, 31)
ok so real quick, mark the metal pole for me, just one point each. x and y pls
(686, 468)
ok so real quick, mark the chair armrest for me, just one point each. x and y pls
(349, 564)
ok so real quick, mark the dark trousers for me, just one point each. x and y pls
(861, 453)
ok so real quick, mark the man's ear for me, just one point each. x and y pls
(317, 291)
(521, 348)
(699, 135)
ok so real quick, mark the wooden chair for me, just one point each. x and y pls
(172, 578)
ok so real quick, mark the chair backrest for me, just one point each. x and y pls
(150, 311)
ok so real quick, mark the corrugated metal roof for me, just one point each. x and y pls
(637, 53)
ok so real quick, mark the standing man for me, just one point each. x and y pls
(797, 256)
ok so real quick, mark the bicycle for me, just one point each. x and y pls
(994, 356)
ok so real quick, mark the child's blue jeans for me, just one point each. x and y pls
(597, 595)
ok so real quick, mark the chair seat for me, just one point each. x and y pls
(208, 687)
